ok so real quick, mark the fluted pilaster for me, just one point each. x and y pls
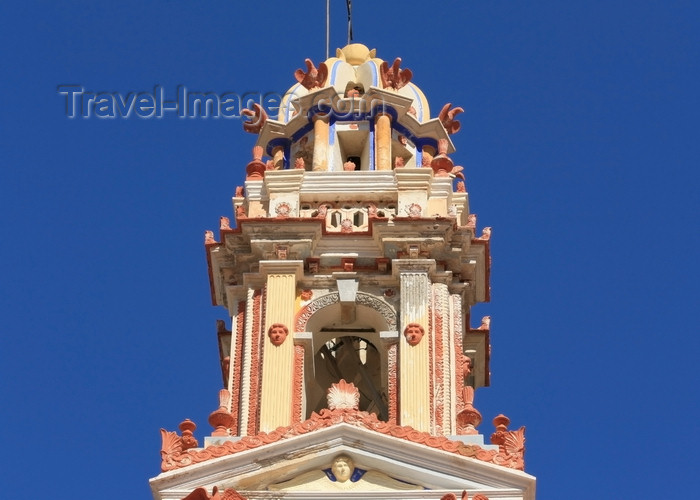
(414, 360)
(277, 388)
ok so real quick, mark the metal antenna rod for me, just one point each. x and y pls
(328, 28)
(349, 5)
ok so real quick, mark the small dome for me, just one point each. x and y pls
(355, 65)
(355, 53)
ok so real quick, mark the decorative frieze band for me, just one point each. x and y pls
(362, 298)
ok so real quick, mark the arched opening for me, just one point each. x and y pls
(353, 346)
(349, 355)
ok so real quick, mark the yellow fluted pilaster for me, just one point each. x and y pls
(276, 394)
(414, 361)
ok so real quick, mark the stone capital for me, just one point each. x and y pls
(403, 266)
(295, 267)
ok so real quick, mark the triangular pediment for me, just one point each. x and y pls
(396, 468)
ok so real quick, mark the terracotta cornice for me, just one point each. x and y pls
(510, 453)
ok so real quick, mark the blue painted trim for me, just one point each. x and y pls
(289, 108)
(334, 71)
(357, 474)
(302, 132)
(288, 155)
(418, 100)
(375, 77)
(281, 141)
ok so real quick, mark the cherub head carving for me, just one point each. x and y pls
(466, 365)
(277, 333)
(342, 468)
(413, 333)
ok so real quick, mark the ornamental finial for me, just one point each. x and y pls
(343, 396)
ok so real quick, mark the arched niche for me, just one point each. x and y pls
(356, 351)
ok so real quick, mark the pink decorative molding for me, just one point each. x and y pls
(452, 496)
(485, 323)
(283, 210)
(437, 360)
(393, 383)
(414, 210)
(255, 364)
(465, 496)
(240, 212)
(201, 494)
(471, 222)
(329, 299)
(238, 367)
(209, 238)
(509, 454)
(485, 234)
(298, 389)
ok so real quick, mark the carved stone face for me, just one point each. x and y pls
(466, 365)
(413, 333)
(277, 333)
(342, 468)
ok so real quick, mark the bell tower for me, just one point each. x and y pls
(348, 274)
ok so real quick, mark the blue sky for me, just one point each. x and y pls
(580, 148)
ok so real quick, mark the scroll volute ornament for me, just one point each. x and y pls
(256, 119)
(313, 77)
(509, 442)
(393, 76)
(413, 333)
(447, 118)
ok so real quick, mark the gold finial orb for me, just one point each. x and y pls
(356, 53)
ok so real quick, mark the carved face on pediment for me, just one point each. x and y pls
(342, 468)
(343, 476)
